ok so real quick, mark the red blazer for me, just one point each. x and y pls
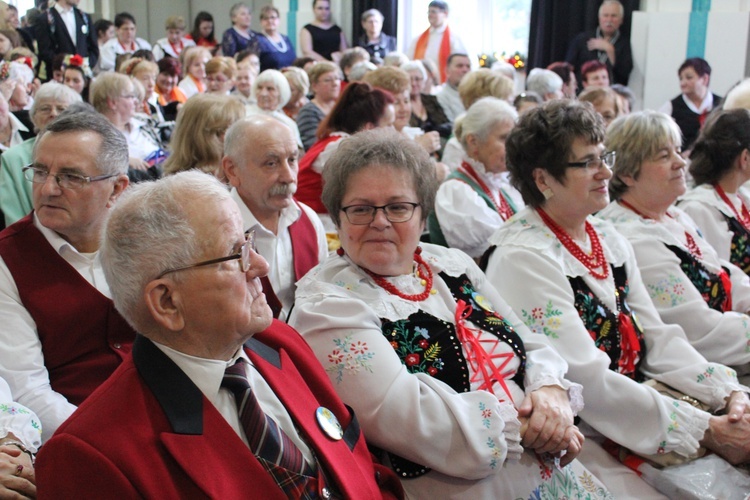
(149, 432)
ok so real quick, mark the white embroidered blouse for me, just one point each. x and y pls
(530, 268)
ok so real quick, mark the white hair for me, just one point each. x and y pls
(279, 80)
(482, 117)
(148, 232)
(543, 81)
(505, 68)
(415, 66)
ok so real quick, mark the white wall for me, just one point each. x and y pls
(659, 40)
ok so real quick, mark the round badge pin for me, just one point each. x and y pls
(329, 423)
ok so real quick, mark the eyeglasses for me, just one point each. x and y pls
(64, 180)
(330, 80)
(607, 159)
(129, 96)
(360, 215)
(243, 256)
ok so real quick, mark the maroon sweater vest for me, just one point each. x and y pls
(84, 339)
(304, 256)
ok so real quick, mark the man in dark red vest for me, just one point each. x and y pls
(260, 162)
(165, 425)
(61, 336)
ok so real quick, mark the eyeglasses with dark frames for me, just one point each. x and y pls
(361, 215)
(607, 159)
(64, 180)
(243, 256)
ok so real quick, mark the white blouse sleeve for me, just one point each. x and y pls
(467, 222)
(627, 412)
(712, 225)
(415, 416)
(18, 420)
(720, 337)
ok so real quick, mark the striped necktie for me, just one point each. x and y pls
(264, 436)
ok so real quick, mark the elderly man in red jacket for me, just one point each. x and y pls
(219, 400)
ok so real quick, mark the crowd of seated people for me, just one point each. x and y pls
(362, 273)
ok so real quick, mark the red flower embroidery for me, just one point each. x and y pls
(394, 344)
(358, 347)
(336, 357)
(412, 359)
(487, 413)
(432, 370)
(423, 344)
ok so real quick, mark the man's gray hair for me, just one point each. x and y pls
(543, 81)
(482, 117)
(112, 157)
(148, 232)
(613, 2)
(240, 133)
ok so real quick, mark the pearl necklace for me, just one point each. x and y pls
(690, 243)
(744, 216)
(422, 270)
(593, 261)
(503, 207)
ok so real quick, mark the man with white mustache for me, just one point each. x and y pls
(261, 163)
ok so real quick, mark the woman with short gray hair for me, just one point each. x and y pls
(272, 92)
(477, 198)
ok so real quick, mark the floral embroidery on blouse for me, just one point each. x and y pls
(347, 286)
(496, 455)
(546, 321)
(349, 357)
(667, 292)
(707, 374)
(563, 483)
(13, 409)
(486, 414)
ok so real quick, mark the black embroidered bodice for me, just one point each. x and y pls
(426, 344)
(709, 284)
(602, 323)
(739, 252)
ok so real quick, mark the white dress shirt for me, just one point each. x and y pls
(450, 101)
(432, 51)
(110, 50)
(22, 359)
(69, 18)
(277, 248)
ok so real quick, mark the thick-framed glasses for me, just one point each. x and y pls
(243, 257)
(360, 215)
(64, 180)
(607, 159)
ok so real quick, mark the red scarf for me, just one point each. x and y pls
(443, 53)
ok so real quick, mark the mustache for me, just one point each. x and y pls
(283, 189)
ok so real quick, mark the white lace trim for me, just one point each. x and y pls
(494, 180)
(511, 430)
(707, 195)
(526, 229)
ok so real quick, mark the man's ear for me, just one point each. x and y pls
(163, 301)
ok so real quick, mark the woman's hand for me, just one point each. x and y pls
(730, 440)
(430, 141)
(137, 164)
(737, 405)
(549, 428)
(16, 474)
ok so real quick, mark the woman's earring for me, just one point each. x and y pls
(547, 193)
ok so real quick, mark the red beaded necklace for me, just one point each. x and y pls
(692, 246)
(423, 271)
(501, 204)
(593, 261)
(744, 216)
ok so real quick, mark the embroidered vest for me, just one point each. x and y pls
(739, 252)
(710, 285)
(309, 182)
(83, 337)
(602, 323)
(426, 344)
